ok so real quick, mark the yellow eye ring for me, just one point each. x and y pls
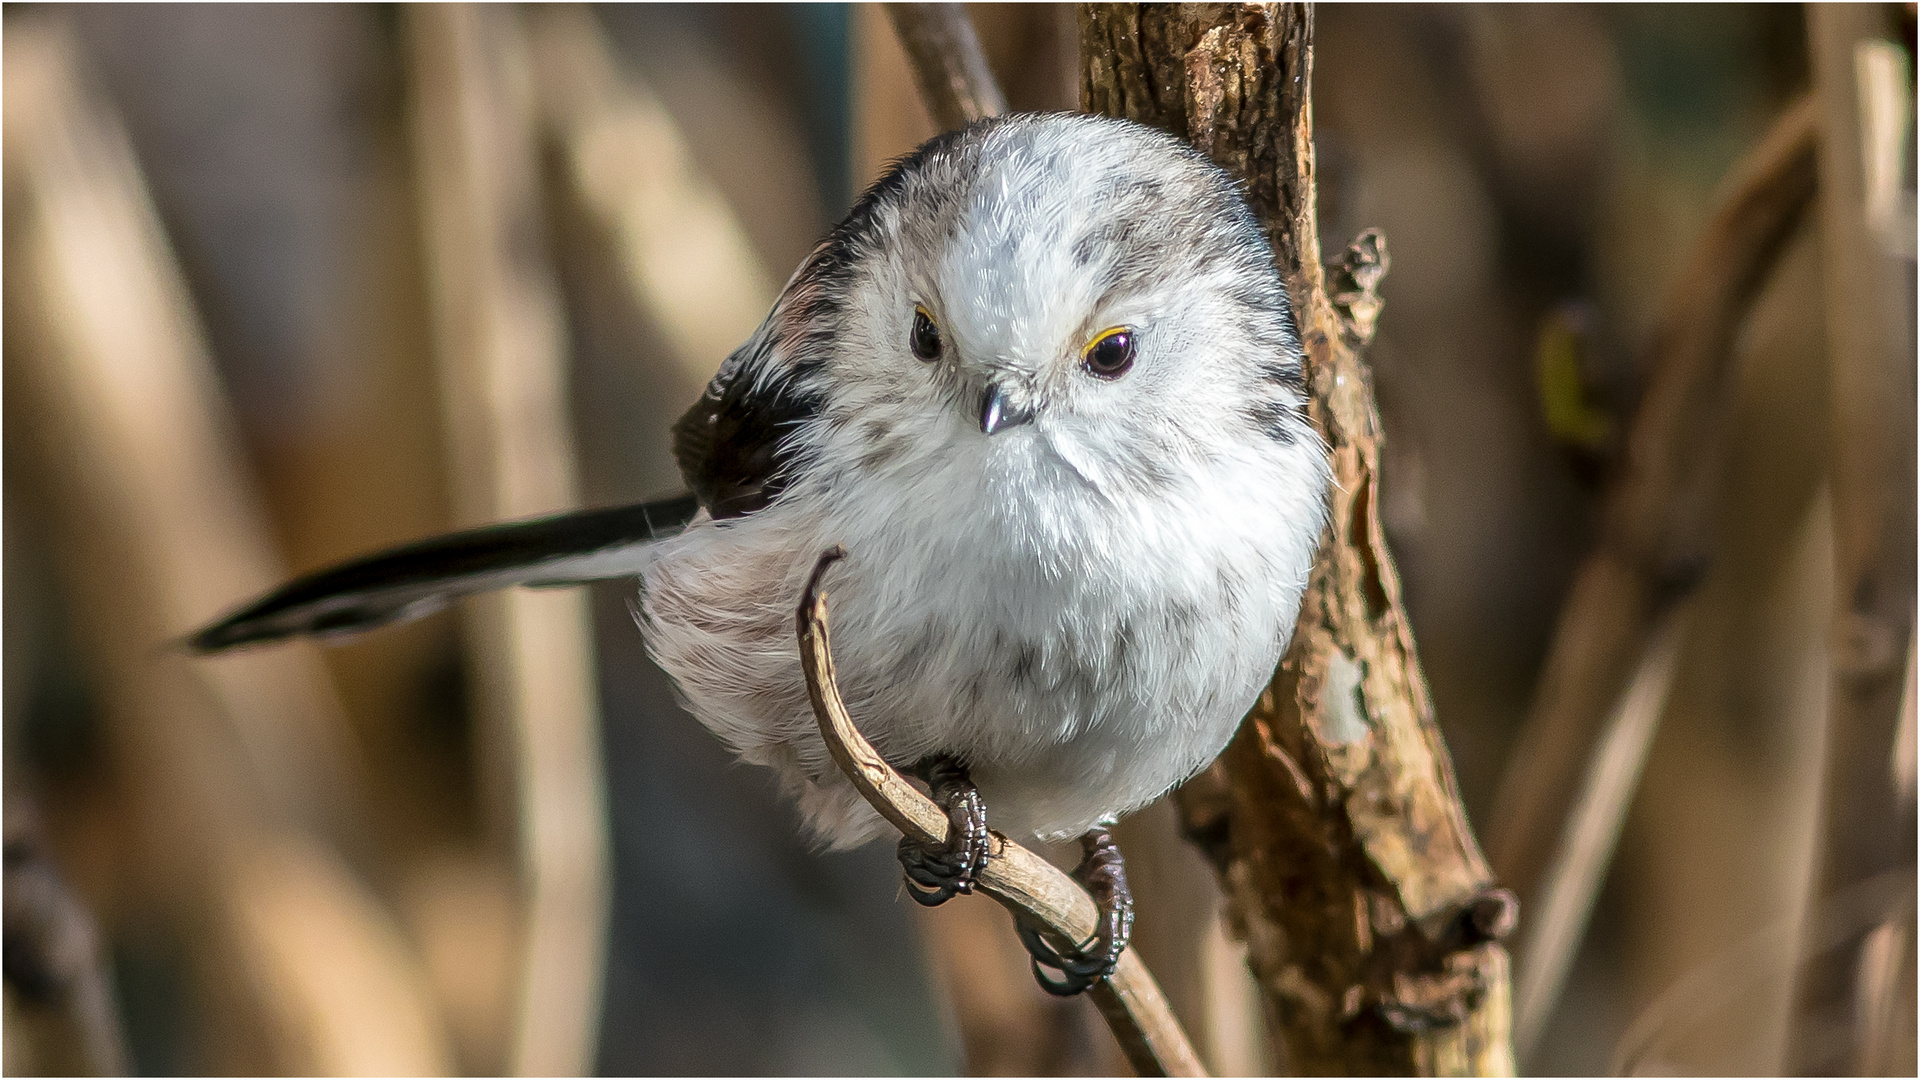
(1110, 353)
(923, 339)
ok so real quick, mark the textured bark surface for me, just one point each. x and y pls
(1333, 817)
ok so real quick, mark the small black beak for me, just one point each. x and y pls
(994, 414)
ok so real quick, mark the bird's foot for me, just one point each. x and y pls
(938, 873)
(1104, 873)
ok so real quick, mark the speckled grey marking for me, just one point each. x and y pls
(1232, 591)
(1276, 420)
(1288, 375)
(1029, 655)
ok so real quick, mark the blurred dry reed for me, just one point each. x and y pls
(1867, 813)
(1621, 618)
(501, 354)
(243, 773)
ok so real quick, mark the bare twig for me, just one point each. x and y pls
(1558, 919)
(954, 79)
(1655, 541)
(1027, 885)
(1369, 913)
(500, 349)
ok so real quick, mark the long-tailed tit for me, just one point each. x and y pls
(1043, 385)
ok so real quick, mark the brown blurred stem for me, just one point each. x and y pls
(1028, 886)
(1655, 538)
(1736, 971)
(500, 349)
(1550, 847)
(1370, 916)
(1867, 819)
(237, 770)
(955, 82)
(1557, 920)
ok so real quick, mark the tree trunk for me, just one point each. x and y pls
(1332, 819)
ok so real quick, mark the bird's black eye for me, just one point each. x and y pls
(924, 339)
(1110, 354)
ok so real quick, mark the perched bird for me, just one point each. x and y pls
(1044, 386)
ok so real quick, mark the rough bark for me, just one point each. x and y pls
(1333, 818)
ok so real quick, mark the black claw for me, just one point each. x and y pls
(1104, 873)
(941, 873)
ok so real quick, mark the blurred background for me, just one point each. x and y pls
(288, 283)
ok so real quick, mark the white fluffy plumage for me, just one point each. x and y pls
(1081, 605)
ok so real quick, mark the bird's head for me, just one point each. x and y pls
(1079, 302)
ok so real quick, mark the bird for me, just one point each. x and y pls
(1044, 387)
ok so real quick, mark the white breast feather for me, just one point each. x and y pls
(1084, 628)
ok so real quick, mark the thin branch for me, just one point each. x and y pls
(955, 82)
(1656, 541)
(1033, 889)
(1886, 128)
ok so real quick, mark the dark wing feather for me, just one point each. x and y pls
(733, 446)
(409, 581)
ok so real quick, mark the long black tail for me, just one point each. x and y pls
(411, 581)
